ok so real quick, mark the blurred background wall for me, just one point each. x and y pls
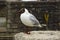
(10, 23)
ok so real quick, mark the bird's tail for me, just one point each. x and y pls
(40, 25)
(44, 25)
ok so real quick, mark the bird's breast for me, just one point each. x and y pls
(25, 20)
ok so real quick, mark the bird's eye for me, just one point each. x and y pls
(23, 10)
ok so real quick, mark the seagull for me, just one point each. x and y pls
(28, 19)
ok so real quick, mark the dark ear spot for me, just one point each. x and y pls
(22, 11)
(30, 11)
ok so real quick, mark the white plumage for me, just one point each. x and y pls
(29, 20)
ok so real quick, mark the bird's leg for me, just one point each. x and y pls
(28, 30)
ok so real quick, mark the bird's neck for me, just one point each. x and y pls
(26, 12)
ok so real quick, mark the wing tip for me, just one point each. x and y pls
(40, 25)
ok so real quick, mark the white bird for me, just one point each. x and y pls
(29, 19)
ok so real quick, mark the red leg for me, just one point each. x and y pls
(28, 30)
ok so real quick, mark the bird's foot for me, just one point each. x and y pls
(44, 25)
(27, 32)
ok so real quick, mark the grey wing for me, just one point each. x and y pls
(34, 20)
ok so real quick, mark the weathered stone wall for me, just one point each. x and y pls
(38, 35)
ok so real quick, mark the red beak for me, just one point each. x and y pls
(21, 10)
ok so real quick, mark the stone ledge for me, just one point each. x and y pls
(38, 35)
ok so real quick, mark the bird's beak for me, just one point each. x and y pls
(20, 10)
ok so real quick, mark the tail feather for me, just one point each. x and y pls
(40, 25)
(44, 25)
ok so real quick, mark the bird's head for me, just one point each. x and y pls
(22, 10)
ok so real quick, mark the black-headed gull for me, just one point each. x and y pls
(29, 19)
